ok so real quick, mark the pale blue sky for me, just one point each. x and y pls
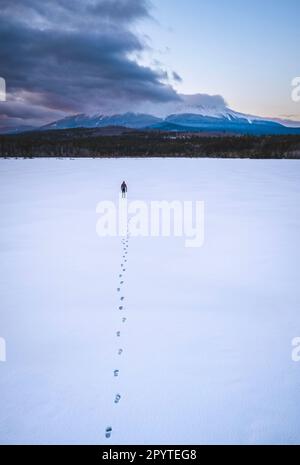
(246, 51)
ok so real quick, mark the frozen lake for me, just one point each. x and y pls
(207, 340)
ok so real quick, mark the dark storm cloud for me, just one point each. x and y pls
(72, 55)
(176, 77)
(127, 10)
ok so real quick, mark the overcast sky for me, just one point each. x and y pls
(60, 57)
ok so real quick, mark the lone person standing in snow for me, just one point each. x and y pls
(123, 189)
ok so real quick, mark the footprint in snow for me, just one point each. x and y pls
(123, 320)
(117, 398)
(122, 298)
(118, 333)
(108, 432)
(121, 308)
(120, 351)
(116, 373)
(119, 289)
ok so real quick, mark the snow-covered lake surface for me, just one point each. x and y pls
(207, 341)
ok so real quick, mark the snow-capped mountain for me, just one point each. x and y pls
(197, 113)
(205, 119)
(129, 120)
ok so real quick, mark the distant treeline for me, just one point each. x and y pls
(120, 142)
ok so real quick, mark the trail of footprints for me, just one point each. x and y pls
(121, 306)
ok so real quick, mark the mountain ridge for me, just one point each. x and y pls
(208, 120)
